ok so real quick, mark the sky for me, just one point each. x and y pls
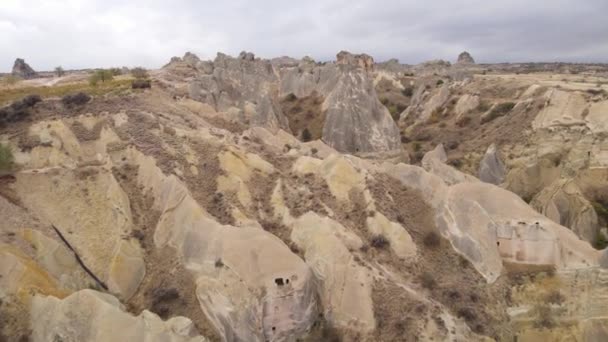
(113, 33)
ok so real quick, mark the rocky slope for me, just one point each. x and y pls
(200, 210)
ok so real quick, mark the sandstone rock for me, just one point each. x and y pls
(466, 104)
(20, 276)
(364, 61)
(564, 203)
(23, 70)
(465, 58)
(247, 56)
(99, 218)
(435, 103)
(342, 278)
(245, 84)
(492, 169)
(562, 109)
(355, 120)
(58, 261)
(268, 295)
(89, 315)
(435, 162)
(400, 241)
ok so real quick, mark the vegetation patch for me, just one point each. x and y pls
(115, 86)
(498, 111)
(305, 115)
(6, 157)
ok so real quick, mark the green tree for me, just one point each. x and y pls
(59, 71)
(101, 75)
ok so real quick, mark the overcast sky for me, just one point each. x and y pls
(105, 33)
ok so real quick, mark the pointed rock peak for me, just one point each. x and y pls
(465, 58)
(247, 56)
(363, 60)
(22, 69)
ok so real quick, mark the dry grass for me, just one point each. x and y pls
(116, 86)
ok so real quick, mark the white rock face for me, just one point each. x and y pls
(99, 217)
(434, 162)
(466, 103)
(245, 84)
(564, 203)
(266, 295)
(489, 225)
(356, 122)
(492, 169)
(91, 316)
(326, 249)
(563, 109)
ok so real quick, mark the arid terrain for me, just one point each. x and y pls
(245, 199)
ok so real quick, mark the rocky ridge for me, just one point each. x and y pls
(193, 212)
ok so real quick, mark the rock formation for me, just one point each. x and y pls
(356, 122)
(23, 70)
(465, 58)
(245, 86)
(492, 169)
(193, 212)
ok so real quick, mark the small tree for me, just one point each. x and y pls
(102, 76)
(6, 157)
(139, 73)
(59, 71)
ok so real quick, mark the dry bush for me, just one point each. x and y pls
(428, 281)
(379, 242)
(431, 239)
(139, 72)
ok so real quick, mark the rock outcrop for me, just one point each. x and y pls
(208, 220)
(88, 315)
(23, 70)
(355, 120)
(465, 58)
(364, 61)
(245, 86)
(491, 169)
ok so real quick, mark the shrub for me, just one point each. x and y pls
(544, 316)
(555, 297)
(464, 121)
(455, 162)
(141, 84)
(18, 110)
(115, 71)
(139, 72)
(600, 242)
(483, 107)
(417, 147)
(306, 136)
(379, 242)
(408, 92)
(10, 80)
(77, 99)
(427, 281)
(431, 239)
(467, 313)
(59, 71)
(498, 111)
(291, 97)
(6, 157)
(101, 76)
(439, 83)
